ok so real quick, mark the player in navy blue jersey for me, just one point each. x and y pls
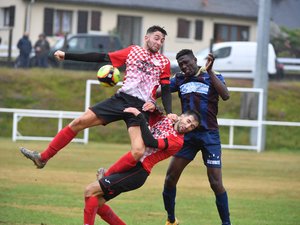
(199, 89)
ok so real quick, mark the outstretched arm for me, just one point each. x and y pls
(85, 57)
(219, 85)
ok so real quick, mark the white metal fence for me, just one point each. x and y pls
(18, 114)
(231, 123)
(290, 64)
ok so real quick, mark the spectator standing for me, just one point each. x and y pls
(25, 47)
(42, 48)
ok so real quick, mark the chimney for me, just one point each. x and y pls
(204, 3)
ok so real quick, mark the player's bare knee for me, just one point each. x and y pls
(92, 189)
(88, 191)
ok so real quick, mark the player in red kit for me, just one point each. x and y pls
(146, 69)
(163, 140)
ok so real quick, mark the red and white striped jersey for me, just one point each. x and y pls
(144, 71)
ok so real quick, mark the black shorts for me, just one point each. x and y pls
(111, 109)
(117, 183)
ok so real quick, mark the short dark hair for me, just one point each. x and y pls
(185, 52)
(155, 28)
(195, 114)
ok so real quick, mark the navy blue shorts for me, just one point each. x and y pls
(117, 183)
(111, 109)
(208, 142)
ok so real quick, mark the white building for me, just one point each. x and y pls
(190, 23)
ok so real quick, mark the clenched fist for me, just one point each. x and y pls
(59, 55)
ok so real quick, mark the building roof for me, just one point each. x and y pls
(283, 12)
(286, 13)
(247, 9)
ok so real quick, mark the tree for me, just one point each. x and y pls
(287, 43)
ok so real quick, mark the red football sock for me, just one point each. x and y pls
(125, 163)
(109, 216)
(90, 210)
(63, 137)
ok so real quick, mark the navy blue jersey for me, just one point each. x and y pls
(197, 93)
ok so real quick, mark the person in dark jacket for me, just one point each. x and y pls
(42, 48)
(25, 47)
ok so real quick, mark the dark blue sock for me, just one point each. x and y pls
(223, 208)
(169, 195)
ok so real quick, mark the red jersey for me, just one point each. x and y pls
(145, 71)
(162, 129)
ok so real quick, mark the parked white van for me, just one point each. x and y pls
(235, 59)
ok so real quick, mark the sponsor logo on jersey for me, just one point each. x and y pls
(194, 87)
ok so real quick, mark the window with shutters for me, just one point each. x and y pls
(5, 14)
(82, 22)
(129, 29)
(62, 22)
(59, 22)
(226, 32)
(48, 21)
(198, 29)
(96, 21)
(183, 28)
